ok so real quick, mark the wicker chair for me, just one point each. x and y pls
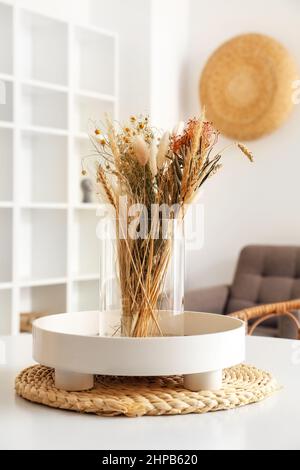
(262, 313)
(264, 275)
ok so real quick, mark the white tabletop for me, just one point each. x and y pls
(271, 424)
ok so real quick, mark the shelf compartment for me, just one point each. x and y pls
(85, 244)
(85, 296)
(88, 109)
(43, 107)
(44, 168)
(6, 221)
(5, 312)
(6, 161)
(43, 48)
(42, 244)
(96, 52)
(44, 299)
(6, 101)
(6, 39)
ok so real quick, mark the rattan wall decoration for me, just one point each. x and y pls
(246, 86)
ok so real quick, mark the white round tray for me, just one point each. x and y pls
(70, 343)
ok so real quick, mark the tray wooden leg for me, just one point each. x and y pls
(205, 381)
(72, 381)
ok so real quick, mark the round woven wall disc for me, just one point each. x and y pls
(246, 86)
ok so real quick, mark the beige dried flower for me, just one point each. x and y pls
(163, 150)
(141, 150)
(153, 160)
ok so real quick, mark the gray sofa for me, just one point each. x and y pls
(264, 274)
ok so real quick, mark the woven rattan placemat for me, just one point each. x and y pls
(115, 396)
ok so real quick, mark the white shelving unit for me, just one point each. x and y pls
(42, 39)
(44, 154)
(6, 38)
(43, 244)
(57, 77)
(6, 174)
(7, 110)
(85, 244)
(43, 107)
(6, 232)
(49, 299)
(85, 296)
(5, 311)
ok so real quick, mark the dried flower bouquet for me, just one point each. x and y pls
(152, 171)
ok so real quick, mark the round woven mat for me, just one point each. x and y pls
(114, 396)
(246, 86)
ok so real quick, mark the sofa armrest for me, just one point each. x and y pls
(210, 299)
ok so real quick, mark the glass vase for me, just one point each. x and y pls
(142, 270)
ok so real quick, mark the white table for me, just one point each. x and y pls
(272, 424)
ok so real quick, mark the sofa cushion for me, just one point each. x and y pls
(265, 274)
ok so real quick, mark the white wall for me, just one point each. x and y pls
(132, 20)
(77, 10)
(153, 41)
(169, 42)
(245, 204)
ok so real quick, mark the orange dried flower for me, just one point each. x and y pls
(209, 135)
(186, 138)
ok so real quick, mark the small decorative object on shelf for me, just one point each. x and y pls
(87, 191)
(26, 320)
(147, 181)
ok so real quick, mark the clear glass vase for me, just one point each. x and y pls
(142, 270)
